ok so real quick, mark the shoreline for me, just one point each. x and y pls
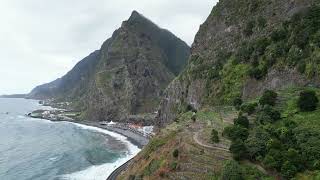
(138, 141)
(134, 138)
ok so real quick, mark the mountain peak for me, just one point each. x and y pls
(136, 16)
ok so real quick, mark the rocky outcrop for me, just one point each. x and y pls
(126, 77)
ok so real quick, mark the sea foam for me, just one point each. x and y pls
(101, 172)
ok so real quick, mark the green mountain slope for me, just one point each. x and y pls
(244, 48)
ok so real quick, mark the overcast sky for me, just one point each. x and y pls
(42, 40)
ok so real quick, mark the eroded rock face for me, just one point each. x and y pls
(133, 68)
(223, 32)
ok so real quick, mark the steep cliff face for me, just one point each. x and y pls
(243, 48)
(126, 77)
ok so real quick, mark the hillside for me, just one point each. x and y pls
(125, 79)
(243, 49)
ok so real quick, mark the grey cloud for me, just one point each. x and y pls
(41, 40)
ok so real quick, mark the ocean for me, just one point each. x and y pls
(36, 149)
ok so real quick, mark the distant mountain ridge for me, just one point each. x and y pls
(13, 96)
(125, 77)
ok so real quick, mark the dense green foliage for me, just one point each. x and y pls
(232, 171)
(268, 98)
(249, 108)
(296, 43)
(215, 136)
(242, 121)
(237, 102)
(288, 145)
(308, 101)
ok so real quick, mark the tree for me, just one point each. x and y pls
(268, 98)
(236, 132)
(242, 121)
(249, 108)
(274, 114)
(232, 171)
(308, 101)
(288, 170)
(175, 153)
(215, 136)
(237, 102)
(238, 149)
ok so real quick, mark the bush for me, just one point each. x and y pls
(257, 73)
(175, 153)
(262, 22)
(288, 170)
(268, 98)
(248, 31)
(232, 171)
(249, 108)
(242, 121)
(308, 101)
(173, 166)
(302, 67)
(238, 149)
(215, 136)
(279, 34)
(237, 102)
(274, 114)
(236, 132)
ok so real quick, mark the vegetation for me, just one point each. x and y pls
(175, 153)
(232, 171)
(268, 98)
(242, 121)
(237, 102)
(288, 145)
(308, 101)
(215, 136)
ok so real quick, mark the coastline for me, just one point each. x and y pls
(136, 138)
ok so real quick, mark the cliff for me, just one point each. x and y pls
(243, 48)
(126, 77)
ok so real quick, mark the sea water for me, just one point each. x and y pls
(38, 149)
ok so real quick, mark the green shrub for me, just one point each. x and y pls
(288, 170)
(249, 108)
(302, 67)
(215, 136)
(274, 114)
(308, 101)
(173, 166)
(278, 34)
(175, 153)
(232, 171)
(294, 55)
(260, 45)
(244, 52)
(236, 132)
(242, 121)
(262, 22)
(256, 73)
(268, 115)
(238, 149)
(248, 30)
(268, 98)
(237, 102)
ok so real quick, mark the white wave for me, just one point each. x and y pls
(101, 172)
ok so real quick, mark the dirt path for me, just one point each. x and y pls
(196, 139)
